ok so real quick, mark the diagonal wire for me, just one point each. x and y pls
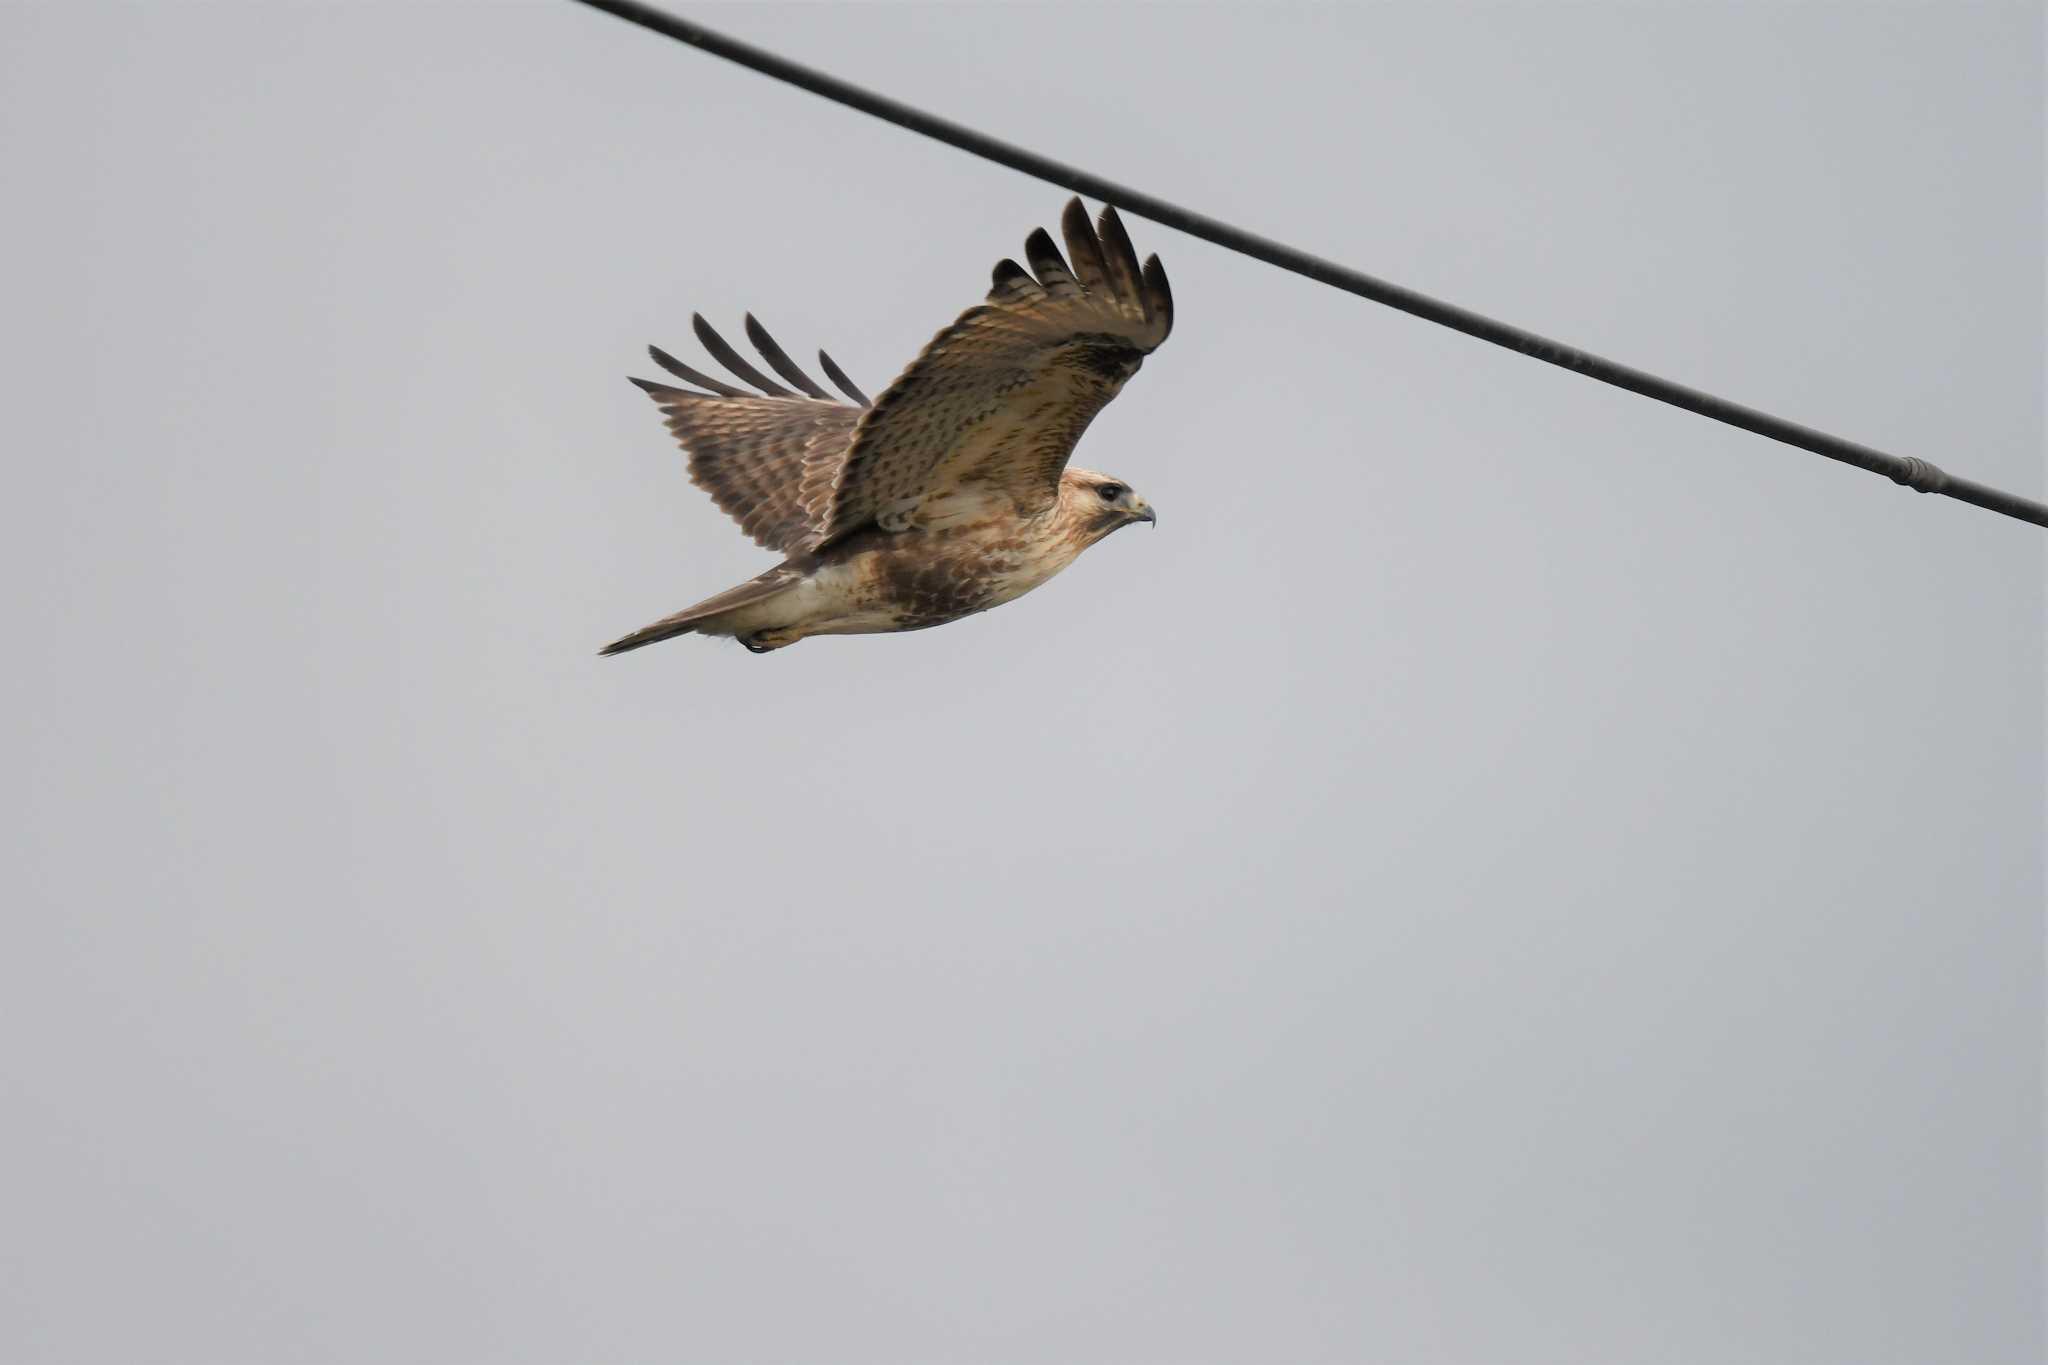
(1901, 469)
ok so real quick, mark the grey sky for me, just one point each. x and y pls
(1506, 872)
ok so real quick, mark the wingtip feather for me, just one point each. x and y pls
(1158, 295)
(846, 385)
(1084, 249)
(1120, 256)
(1009, 281)
(721, 351)
(779, 361)
(685, 373)
(1054, 275)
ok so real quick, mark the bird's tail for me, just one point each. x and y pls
(703, 618)
(682, 623)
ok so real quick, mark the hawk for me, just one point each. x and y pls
(950, 493)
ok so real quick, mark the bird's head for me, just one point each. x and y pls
(1101, 504)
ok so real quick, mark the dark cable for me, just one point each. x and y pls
(1912, 473)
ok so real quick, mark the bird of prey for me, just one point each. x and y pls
(950, 493)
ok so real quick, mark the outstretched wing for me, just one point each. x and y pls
(1001, 396)
(756, 454)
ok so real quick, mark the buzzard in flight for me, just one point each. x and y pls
(950, 493)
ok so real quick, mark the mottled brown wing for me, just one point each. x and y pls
(756, 453)
(1001, 396)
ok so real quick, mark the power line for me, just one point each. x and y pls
(1901, 469)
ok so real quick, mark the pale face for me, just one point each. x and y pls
(1102, 502)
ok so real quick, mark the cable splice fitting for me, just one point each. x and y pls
(1920, 476)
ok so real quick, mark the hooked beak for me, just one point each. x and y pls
(1147, 515)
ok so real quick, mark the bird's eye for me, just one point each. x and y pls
(1110, 492)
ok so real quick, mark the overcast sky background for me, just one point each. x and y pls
(1505, 872)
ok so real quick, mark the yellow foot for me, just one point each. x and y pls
(761, 641)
